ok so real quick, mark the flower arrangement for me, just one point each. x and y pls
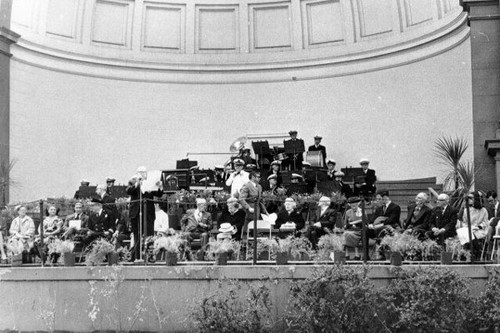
(15, 247)
(330, 243)
(454, 246)
(278, 245)
(98, 252)
(222, 246)
(170, 244)
(60, 246)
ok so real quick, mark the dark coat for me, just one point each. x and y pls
(328, 219)
(421, 220)
(295, 217)
(446, 220)
(100, 223)
(393, 214)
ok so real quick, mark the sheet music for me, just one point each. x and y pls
(149, 184)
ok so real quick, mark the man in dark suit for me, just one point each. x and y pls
(443, 221)
(386, 217)
(318, 147)
(365, 185)
(322, 222)
(134, 191)
(108, 202)
(417, 221)
(197, 222)
(296, 157)
(99, 224)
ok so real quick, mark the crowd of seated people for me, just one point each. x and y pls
(438, 221)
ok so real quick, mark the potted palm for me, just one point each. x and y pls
(300, 248)
(171, 246)
(64, 249)
(397, 245)
(332, 246)
(221, 249)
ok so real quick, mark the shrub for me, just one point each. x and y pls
(336, 299)
(428, 300)
(484, 311)
(226, 311)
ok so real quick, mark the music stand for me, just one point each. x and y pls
(261, 148)
(294, 147)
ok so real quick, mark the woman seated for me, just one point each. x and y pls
(52, 225)
(22, 230)
(234, 216)
(478, 221)
(353, 225)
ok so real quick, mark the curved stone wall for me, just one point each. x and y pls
(176, 41)
(99, 87)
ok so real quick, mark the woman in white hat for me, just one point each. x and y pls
(233, 215)
(226, 231)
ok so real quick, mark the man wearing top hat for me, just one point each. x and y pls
(318, 147)
(295, 159)
(238, 178)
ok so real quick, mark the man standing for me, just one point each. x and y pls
(296, 155)
(443, 220)
(365, 185)
(249, 195)
(238, 178)
(108, 202)
(135, 192)
(110, 182)
(318, 147)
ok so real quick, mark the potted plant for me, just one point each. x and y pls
(64, 249)
(332, 246)
(171, 246)
(397, 246)
(300, 248)
(15, 250)
(101, 250)
(452, 249)
(280, 248)
(220, 250)
(430, 249)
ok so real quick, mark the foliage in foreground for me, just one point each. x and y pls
(226, 311)
(336, 299)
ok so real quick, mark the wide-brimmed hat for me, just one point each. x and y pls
(227, 227)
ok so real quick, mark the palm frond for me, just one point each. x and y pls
(466, 175)
(450, 150)
(5, 170)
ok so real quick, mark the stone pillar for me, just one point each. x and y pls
(484, 21)
(7, 37)
(493, 148)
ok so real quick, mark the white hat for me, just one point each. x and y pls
(443, 196)
(141, 169)
(338, 174)
(227, 227)
(297, 176)
(364, 160)
(278, 162)
(200, 201)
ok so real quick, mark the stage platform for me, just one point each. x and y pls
(153, 297)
